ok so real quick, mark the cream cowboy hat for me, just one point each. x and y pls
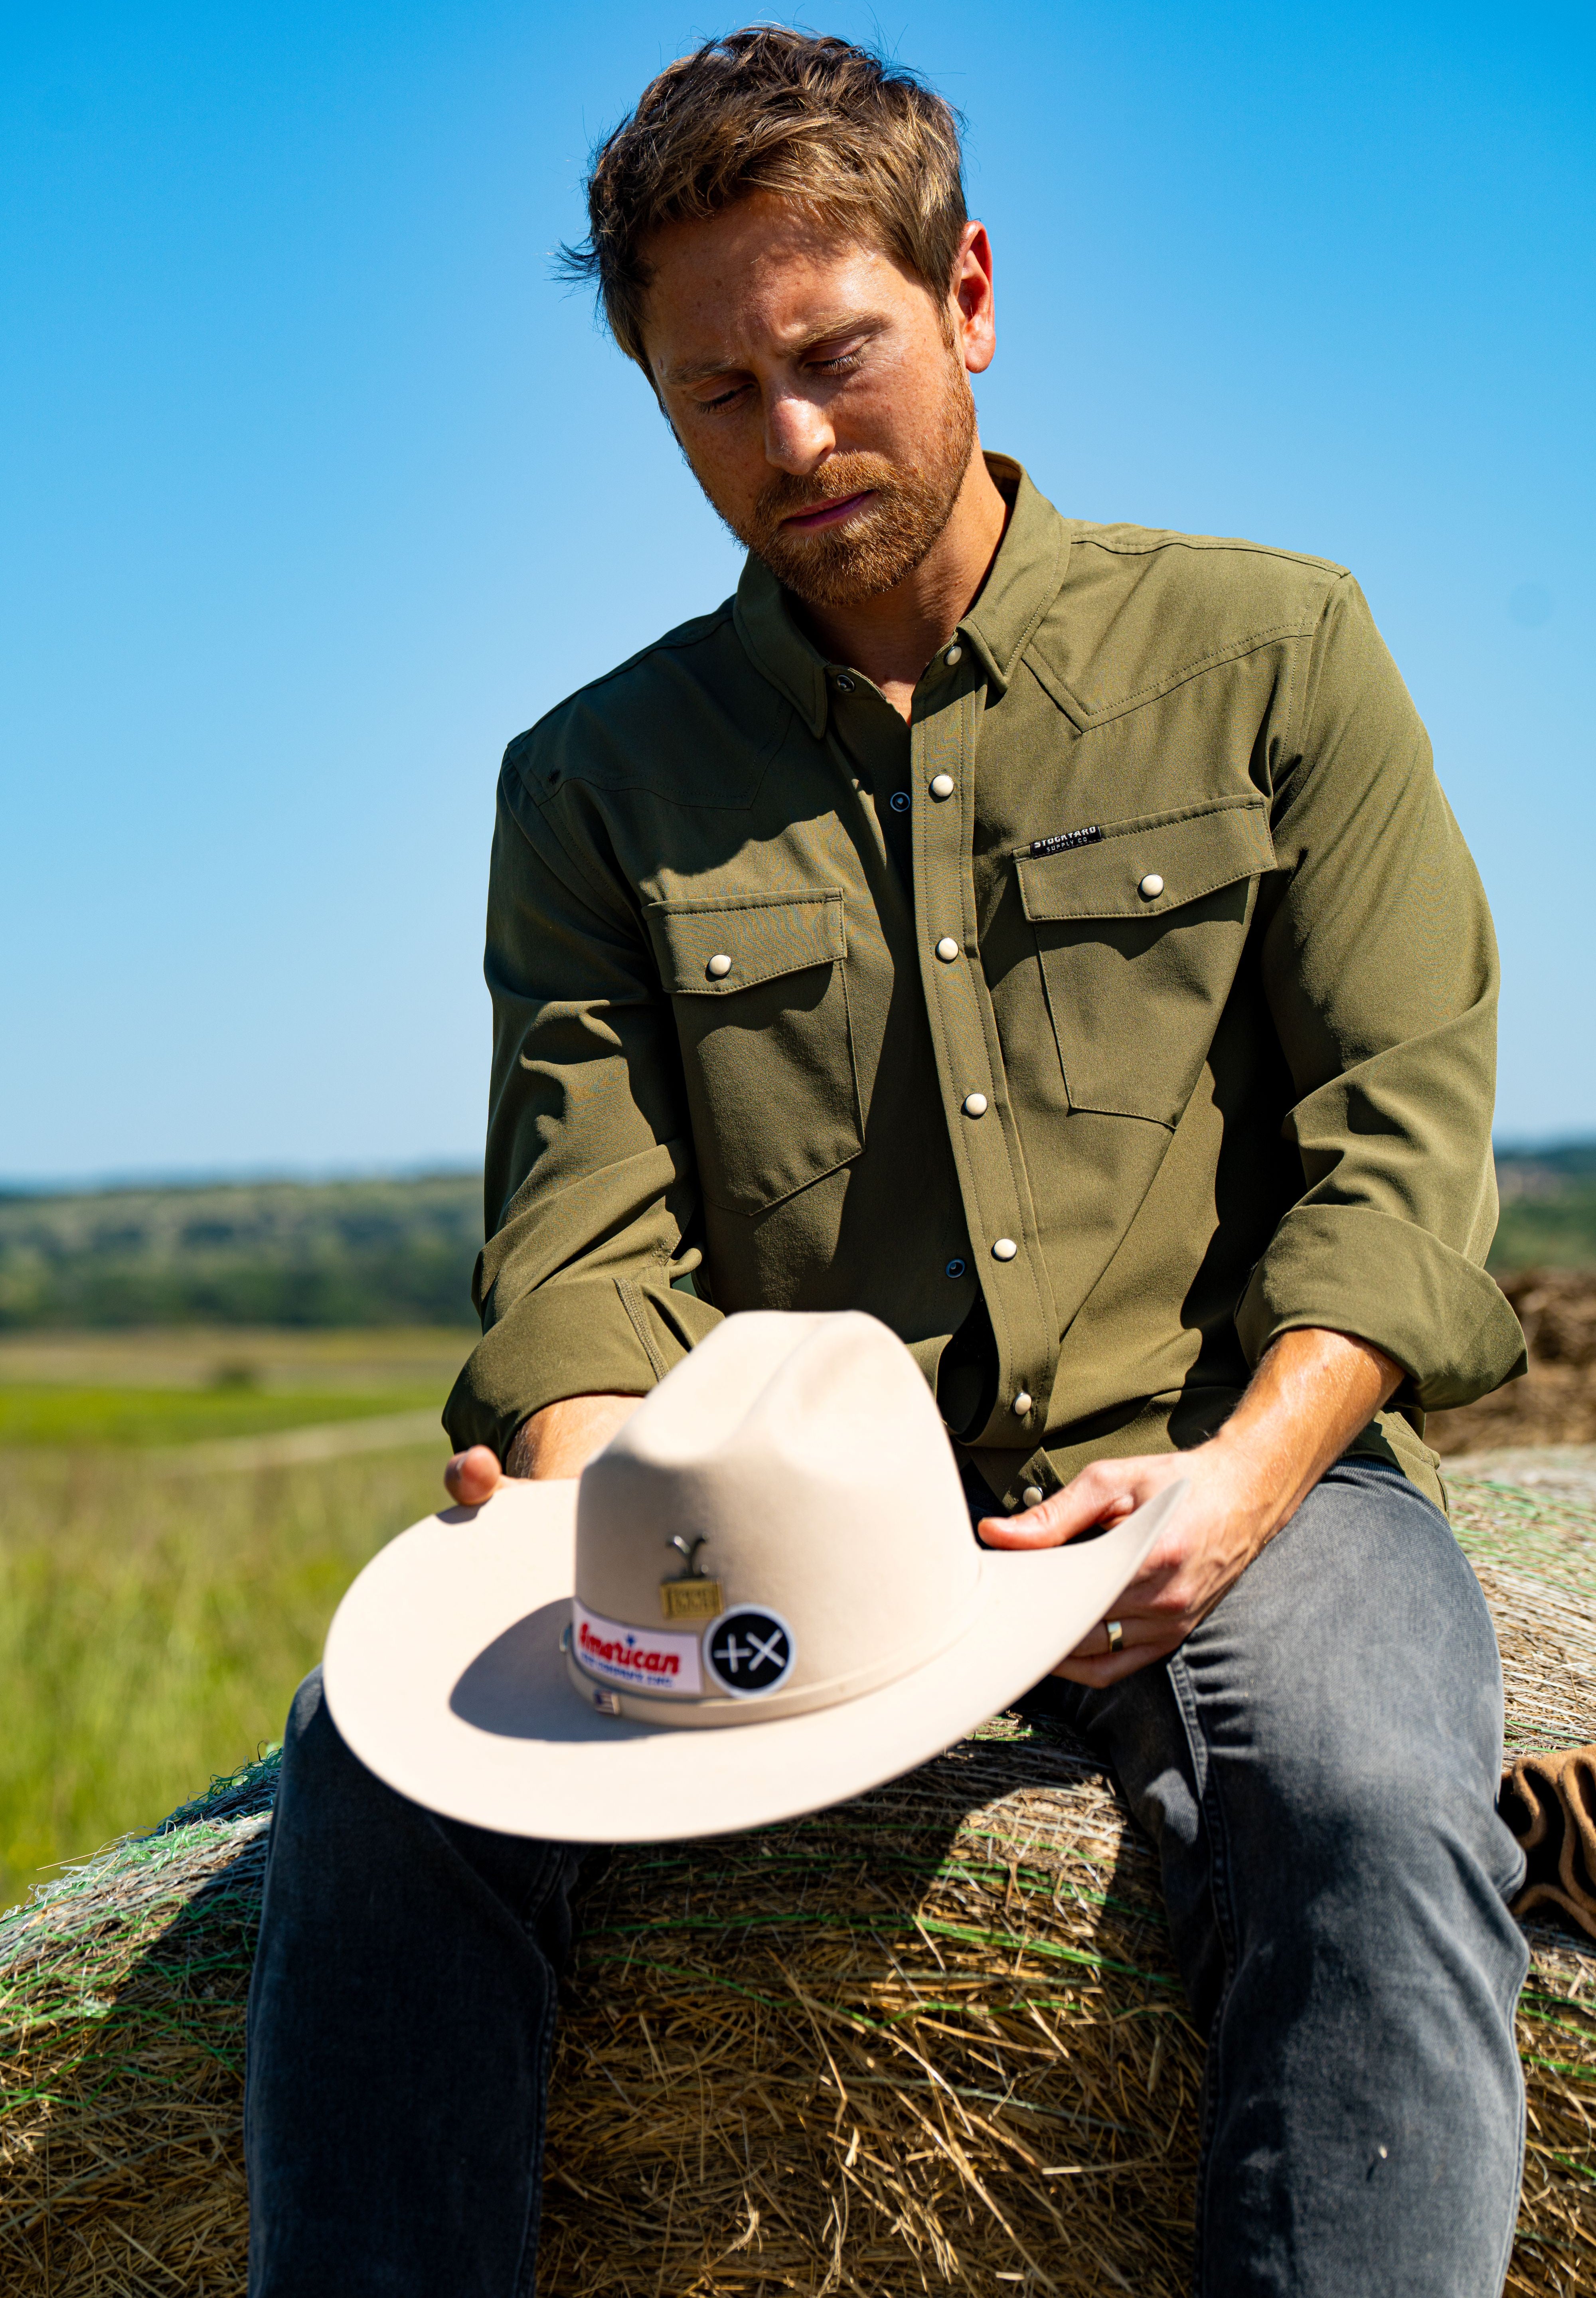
(761, 1598)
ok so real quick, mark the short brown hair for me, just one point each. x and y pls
(831, 127)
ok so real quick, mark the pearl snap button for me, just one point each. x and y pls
(1022, 1402)
(1151, 886)
(719, 967)
(941, 785)
(948, 949)
(845, 684)
(900, 801)
(1004, 1249)
(955, 1267)
(954, 655)
(975, 1105)
(1032, 1495)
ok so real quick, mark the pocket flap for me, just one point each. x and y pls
(760, 935)
(1137, 869)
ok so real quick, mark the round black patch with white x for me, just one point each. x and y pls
(748, 1651)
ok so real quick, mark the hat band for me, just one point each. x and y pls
(795, 1700)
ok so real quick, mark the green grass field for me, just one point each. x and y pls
(153, 1623)
(158, 1416)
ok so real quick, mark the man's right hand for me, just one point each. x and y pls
(472, 1476)
(560, 1441)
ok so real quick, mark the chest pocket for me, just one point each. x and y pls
(1139, 934)
(760, 994)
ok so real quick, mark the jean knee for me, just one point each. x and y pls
(1389, 1817)
(313, 1750)
(303, 1709)
(322, 1783)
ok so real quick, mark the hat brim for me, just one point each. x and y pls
(444, 1674)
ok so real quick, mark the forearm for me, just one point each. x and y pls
(1312, 1393)
(561, 1439)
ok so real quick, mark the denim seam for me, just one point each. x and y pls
(1218, 1884)
(555, 1871)
(527, 2266)
(561, 1877)
(1511, 2236)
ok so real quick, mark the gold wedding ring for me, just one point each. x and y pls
(1115, 1634)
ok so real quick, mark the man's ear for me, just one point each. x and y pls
(970, 306)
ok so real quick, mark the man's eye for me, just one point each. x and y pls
(724, 398)
(843, 364)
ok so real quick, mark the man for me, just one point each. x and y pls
(1051, 938)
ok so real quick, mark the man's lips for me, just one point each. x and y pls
(827, 514)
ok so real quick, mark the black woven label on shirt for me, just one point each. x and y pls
(1063, 840)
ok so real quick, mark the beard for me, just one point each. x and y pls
(884, 542)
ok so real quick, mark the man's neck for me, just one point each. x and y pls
(891, 637)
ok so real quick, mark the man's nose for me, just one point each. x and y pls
(798, 434)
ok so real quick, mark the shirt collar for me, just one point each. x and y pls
(1023, 582)
(1025, 578)
(775, 645)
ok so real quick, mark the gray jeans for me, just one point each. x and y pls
(1318, 1766)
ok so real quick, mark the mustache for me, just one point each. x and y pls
(788, 496)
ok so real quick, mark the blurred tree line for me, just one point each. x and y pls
(400, 1252)
(397, 1251)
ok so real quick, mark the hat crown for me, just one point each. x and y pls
(795, 1466)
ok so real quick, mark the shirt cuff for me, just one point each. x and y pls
(1353, 1270)
(586, 1336)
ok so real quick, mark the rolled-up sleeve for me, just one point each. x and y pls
(1380, 969)
(590, 1189)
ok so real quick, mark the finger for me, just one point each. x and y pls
(473, 1475)
(1143, 1638)
(1102, 1494)
(1134, 1635)
(1098, 1675)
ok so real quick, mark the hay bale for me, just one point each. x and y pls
(931, 2040)
(1555, 1403)
(928, 2039)
(121, 2060)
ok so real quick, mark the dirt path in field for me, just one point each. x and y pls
(290, 1448)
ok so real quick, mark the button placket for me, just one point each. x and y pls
(1035, 1479)
(1001, 1225)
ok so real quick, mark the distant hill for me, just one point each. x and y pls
(1547, 1207)
(400, 1252)
(268, 1252)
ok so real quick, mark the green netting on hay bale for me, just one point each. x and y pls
(927, 2040)
(121, 2058)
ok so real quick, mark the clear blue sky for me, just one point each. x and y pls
(317, 488)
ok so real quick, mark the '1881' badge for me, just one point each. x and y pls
(690, 1594)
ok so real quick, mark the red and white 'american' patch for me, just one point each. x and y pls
(634, 1659)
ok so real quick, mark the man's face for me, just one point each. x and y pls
(819, 392)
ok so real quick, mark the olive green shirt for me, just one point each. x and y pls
(1132, 1005)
